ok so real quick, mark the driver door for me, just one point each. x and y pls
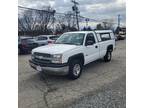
(91, 48)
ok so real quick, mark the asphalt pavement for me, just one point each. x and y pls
(101, 85)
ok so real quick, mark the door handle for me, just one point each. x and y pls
(96, 46)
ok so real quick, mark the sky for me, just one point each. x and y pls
(96, 9)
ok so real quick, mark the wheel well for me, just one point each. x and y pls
(110, 48)
(77, 57)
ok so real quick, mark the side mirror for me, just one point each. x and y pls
(89, 42)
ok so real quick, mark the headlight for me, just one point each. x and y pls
(57, 58)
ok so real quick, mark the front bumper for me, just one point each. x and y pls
(51, 69)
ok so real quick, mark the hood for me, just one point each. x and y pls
(54, 48)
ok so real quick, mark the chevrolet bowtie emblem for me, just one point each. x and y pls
(40, 57)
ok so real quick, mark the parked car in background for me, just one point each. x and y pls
(121, 33)
(26, 44)
(46, 39)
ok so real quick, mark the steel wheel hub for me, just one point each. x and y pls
(76, 69)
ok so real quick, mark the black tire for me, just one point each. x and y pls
(72, 73)
(108, 56)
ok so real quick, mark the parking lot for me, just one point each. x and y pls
(38, 90)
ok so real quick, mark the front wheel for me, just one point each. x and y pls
(75, 69)
(108, 56)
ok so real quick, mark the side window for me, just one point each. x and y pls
(105, 36)
(90, 40)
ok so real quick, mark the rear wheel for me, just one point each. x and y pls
(108, 56)
(75, 69)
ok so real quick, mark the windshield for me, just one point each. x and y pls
(71, 38)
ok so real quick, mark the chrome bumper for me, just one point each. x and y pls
(51, 70)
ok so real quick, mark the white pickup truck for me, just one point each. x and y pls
(73, 50)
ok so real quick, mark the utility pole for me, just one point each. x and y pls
(76, 10)
(119, 20)
(54, 11)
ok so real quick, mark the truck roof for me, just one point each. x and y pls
(102, 31)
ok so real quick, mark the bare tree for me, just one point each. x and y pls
(45, 19)
(36, 20)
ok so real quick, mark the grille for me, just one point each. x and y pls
(42, 58)
(42, 54)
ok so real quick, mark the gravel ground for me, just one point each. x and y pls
(37, 90)
(112, 95)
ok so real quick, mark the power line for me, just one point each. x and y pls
(56, 12)
(39, 10)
